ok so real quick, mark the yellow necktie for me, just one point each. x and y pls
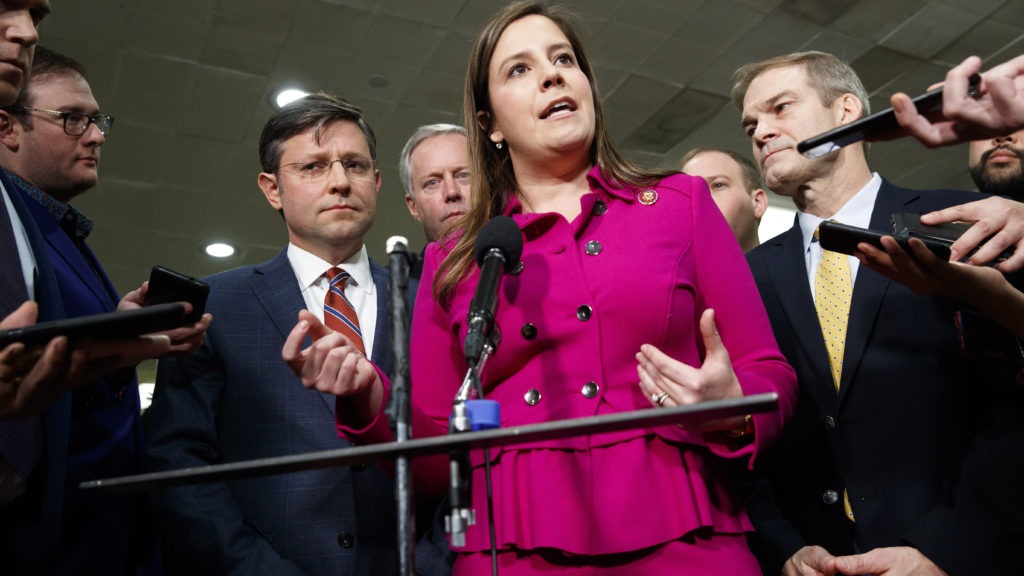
(832, 291)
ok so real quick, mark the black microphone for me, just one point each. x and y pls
(497, 251)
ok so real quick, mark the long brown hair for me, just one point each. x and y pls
(492, 176)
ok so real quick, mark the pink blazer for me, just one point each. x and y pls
(635, 267)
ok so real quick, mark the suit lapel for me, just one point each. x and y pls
(276, 288)
(64, 249)
(381, 353)
(788, 274)
(870, 287)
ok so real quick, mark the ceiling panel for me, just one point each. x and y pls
(189, 83)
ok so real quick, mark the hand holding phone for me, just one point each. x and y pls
(878, 126)
(166, 285)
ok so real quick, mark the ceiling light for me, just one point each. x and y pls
(219, 250)
(287, 96)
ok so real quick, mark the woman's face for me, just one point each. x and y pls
(541, 101)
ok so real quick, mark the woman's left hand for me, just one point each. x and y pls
(666, 381)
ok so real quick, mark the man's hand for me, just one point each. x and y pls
(334, 365)
(32, 378)
(895, 561)
(184, 340)
(810, 561)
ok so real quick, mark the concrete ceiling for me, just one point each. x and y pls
(189, 84)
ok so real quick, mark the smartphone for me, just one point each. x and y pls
(909, 225)
(166, 285)
(876, 126)
(107, 326)
(843, 238)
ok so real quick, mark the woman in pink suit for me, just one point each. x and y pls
(633, 292)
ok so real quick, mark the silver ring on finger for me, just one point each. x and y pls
(660, 398)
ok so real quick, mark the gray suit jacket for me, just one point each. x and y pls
(235, 399)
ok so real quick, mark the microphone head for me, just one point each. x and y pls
(502, 233)
(394, 240)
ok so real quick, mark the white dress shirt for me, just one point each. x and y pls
(856, 212)
(310, 270)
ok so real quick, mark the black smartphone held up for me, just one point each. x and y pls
(909, 225)
(166, 285)
(107, 326)
(843, 238)
(877, 125)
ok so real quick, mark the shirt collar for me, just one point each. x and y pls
(74, 222)
(309, 268)
(856, 211)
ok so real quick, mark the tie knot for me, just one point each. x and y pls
(337, 277)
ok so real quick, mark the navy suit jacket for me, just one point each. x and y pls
(235, 399)
(923, 439)
(35, 517)
(99, 534)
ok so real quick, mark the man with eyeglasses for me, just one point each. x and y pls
(50, 140)
(434, 169)
(236, 399)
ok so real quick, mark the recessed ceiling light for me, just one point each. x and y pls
(219, 250)
(288, 95)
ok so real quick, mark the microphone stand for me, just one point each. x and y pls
(398, 266)
(460, 515)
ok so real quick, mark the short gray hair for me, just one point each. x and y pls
(422, 133)
(830, 77)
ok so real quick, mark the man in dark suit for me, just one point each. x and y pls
(900, 448)
(50, 142)
(236, 399)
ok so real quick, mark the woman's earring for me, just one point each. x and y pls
(499, 145)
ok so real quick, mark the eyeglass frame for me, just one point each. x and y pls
(327, 166)
(64, 116)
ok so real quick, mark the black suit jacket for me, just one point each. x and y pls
(923, 439)
(235, 399)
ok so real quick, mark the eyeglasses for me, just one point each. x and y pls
(355, 168)
(77, 123)
(434, 185)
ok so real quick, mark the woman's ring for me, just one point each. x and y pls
(660, 398)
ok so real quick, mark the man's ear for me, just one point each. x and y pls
(848, 108)
(760, 201)
(268, 184)
(410, 202)
(10, 130)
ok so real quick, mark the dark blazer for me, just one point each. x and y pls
(99, 534)
(922, 438)
(34, 519)
(235, 399)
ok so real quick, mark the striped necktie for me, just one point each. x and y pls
(339, 314)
